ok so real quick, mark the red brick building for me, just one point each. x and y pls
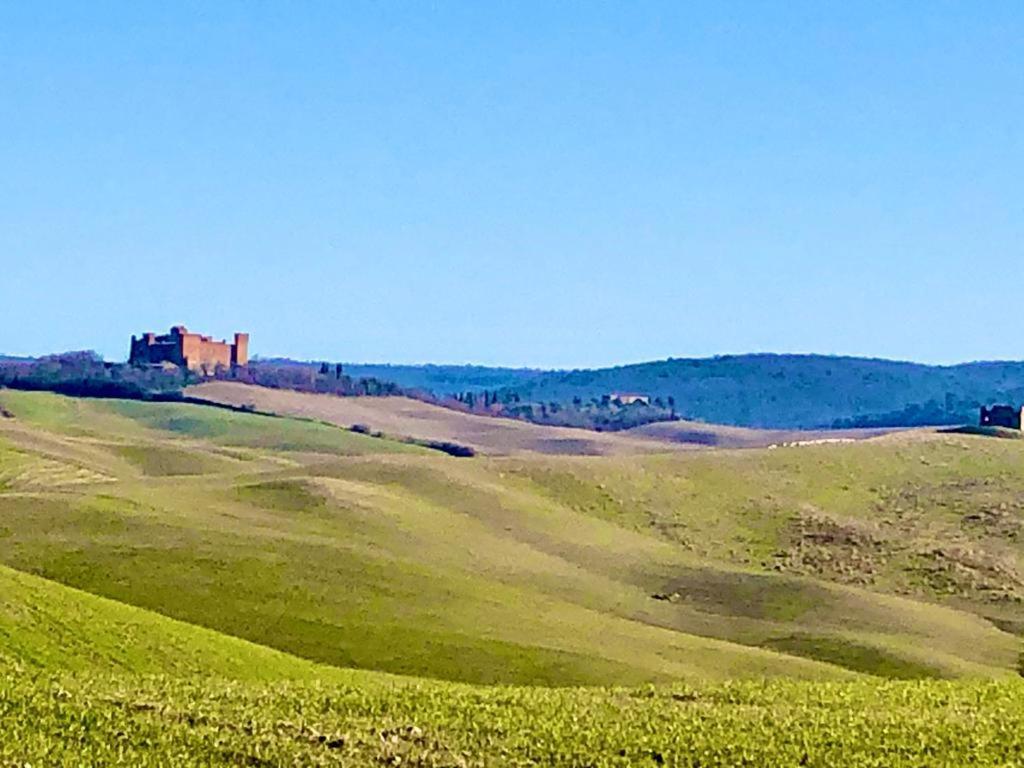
(189, 350)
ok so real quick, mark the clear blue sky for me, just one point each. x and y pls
(546, 184)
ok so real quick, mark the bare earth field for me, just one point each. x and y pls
(405, 417)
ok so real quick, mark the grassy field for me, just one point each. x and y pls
(813, 561)
(89, 681)
(207, 582)
(46, 627)
(721, 436)
(89, 720)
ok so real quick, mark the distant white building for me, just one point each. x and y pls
(628, 398)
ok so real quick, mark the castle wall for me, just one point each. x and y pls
(201, 354)
(147, 352)
(191, 350)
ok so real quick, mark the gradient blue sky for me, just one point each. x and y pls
(545, 184)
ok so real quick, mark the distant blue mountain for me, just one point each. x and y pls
(756, 390)
(446, 379)
(799, 391)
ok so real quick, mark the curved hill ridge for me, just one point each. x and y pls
(360, 552)
(721, 436)
(47, 626)
(406, 417)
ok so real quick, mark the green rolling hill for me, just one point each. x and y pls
(47, 626)
(358, 551)
(181, 583)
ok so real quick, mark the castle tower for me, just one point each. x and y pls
(240, 349)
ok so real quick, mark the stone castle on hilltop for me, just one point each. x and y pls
(189, 350)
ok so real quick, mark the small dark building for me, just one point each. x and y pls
(1007, 416)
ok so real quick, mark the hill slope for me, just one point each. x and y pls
(46, 627)
(71, 691)
(522, 569)
(347, 549)
(88, 680)
(372, 563)
(721, 436)
(405, 417)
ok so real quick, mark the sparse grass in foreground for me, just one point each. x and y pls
(161, 721)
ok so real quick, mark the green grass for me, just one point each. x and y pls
(89, 681)
(46, 627)
(343, 601)
(155, 722)
(933, 517)
(177, 589)
(133, 420)
(536, 570)
(84, 680)
(162, 460)
(873, 661)
(225, 427)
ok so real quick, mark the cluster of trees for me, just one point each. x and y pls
(928, 414)
(603, 414)
(323, 378)
(440, 379)
(445, 446)
(85, 374)
(484, 399)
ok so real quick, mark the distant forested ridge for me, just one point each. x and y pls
(444, 379)
(757, 390)
(800, 391)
